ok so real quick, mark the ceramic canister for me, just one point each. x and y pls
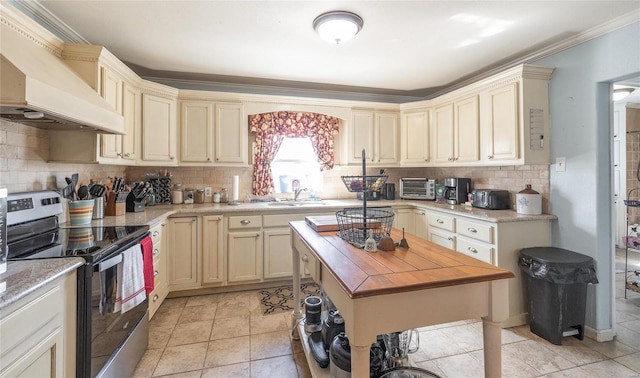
(529, 202)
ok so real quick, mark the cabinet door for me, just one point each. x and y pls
(131, 113)
(386, 137)
(158, 128)
(361, 136)
(231, 133)
(414, 137)
(443, 134)
(111, 90)
(277, 253)
(212, 249)
(196, 132)
(467, 130)
(503, 123)
(244, 256)
(442, 238)
(403, 219)
(420, 223)
(183, 256)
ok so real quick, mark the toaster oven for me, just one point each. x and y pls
(417, 188)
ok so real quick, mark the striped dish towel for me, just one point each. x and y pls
(130, 280)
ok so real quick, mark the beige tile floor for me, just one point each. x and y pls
(225, 335)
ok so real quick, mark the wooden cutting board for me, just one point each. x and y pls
(322, 223)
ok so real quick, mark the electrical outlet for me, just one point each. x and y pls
(561, 164)
(207, 191)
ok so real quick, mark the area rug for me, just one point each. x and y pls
(280, 299)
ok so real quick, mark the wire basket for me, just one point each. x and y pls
(356, 183)
(354, 226)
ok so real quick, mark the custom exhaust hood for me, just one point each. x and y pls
(38, 89)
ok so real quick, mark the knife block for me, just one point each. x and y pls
(133, 205)
(116, 203)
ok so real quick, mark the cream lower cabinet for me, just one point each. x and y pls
(420, 223)
(494, 243)
(182, 243)
(39, 332)
(212, 250)
(244, 249)
(403, 220)
(158, 235)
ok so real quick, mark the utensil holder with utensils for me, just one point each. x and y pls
(116, 203)
(134, 204)
(80, 212)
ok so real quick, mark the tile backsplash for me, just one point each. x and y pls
(24, 166)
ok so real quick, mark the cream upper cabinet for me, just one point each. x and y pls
(457, 131)
(516, 118)
(159, 125)
(376, 132)
(414, 138)
(213, 133)
(231, 134)
(196, 132)
(503, 125)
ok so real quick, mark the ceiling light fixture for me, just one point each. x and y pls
(620, 93)
(31, 114)
(337, 26)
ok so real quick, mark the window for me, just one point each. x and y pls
(296, 160)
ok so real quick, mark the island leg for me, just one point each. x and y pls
(296, 315)
(492, 330)
(360, 360)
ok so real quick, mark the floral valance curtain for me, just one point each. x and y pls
(272, 128)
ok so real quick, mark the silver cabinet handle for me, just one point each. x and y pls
(490, 156)
(439, 221)
(305, 258)
(155, 298)
(172, 157)
(155, 252)
(450, 238)
(155, 273)
(119, 154)
(471, 229)
(155, 233)
(245, 222)
(471, 249)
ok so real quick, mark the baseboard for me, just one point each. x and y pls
(600, 335)
(515, 320)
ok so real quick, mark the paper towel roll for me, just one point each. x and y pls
(235, 188)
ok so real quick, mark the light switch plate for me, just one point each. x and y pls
(561, 164)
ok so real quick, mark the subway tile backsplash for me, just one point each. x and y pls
(24, 152)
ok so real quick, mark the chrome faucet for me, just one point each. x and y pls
(296, 193)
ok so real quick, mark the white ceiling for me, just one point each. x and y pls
(405, 47)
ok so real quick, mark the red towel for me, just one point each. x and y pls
(147, 262)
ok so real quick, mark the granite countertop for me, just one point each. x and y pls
(25, 277)
(154, 214)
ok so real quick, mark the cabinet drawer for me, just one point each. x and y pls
(309, 263)
(156, 233)
(479, 231)
(249, 221)
(476, 250)
(443, 221)
(281, 220)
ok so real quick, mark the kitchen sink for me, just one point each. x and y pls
(296, 203)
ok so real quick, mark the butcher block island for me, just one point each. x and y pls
(389, 291)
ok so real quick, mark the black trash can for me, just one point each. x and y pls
(557, 282)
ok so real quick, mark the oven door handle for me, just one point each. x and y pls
(111, 262)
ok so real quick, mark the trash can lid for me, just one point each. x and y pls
(557, 265)
(552, 255)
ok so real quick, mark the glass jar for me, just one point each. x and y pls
(216, 197)
(224, 195)
(176, 194)
(199, 196)
(188, 195)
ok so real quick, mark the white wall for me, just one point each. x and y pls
(580, 117)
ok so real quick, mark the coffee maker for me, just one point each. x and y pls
(456, 190)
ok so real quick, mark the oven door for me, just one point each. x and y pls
(108, 332)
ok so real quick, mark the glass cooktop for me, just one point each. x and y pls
(89, 242)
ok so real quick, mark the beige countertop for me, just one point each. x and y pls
(25, 277)
(154, 214)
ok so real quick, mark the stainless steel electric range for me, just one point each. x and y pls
(109, 343)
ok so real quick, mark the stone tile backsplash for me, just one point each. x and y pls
(24, 166)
